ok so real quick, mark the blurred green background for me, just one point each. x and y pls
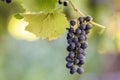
(23, 57)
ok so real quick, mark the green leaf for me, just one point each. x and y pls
(18, 16)
(47, 25)
(39, 5)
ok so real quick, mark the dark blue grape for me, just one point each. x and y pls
(80, 56)
(75, 39)
(72, 45)
(69, 35)
(81, 38)
(76, 61)
(80, 51)
(72, 72)
(77, 31)
(8, 1)
(70, 30)
(87, 31)
(68, 59)
(65, 3)
(84, 53)
(88, 26)
(77, 44)
(69, 41)
(73, 68)
(70, 48)
(82, 26)
(84, 45)
(81, 19)
(59, 1)
(71, 54)
(80, 70)
(88, 18)
(86, 37)
(82, 61)
(83, 32)
(72, 22)
(68, 65)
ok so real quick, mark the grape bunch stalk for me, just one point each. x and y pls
(77, 40)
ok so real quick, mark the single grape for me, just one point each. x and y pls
(83, 32)
(70, 48)
(65, 3)
(75, 39)
(59, 1)
(77, 44)
(80, 70)
(73, 68)
(80, 51)
(87, 31)
(77, 31)
(81, 19)
(72, 22)
(84, 45)
(86, 37)
(81, 38)
(69, 41)
(68, 65)
(88, 26)
(72, 45)
(72, 72)
(82, 61)
(71, 30)
(71, 54)
(69, 35)
(76, 61)
(8, 1)
(82, 26)
(84, 53)
(68, 59)
(80, 56)
(88, 18)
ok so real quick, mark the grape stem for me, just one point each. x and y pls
(83, 15)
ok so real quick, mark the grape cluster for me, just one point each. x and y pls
(65, 3)
(7, 1)
(77, 40)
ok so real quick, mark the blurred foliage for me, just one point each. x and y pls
(45, 60)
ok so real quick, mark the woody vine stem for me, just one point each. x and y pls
(83, 15)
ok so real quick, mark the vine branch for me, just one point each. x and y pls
(83, 15)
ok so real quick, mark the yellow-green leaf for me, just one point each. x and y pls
(47, 25)
(39, 5)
